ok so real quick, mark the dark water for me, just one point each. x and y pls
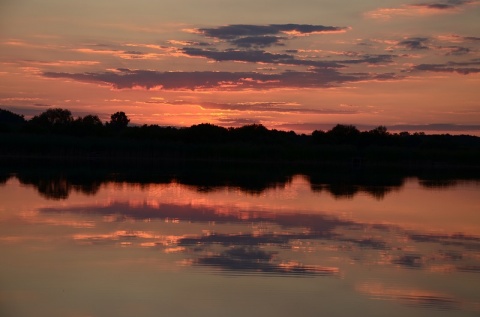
(80, 244)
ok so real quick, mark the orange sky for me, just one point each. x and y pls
(302, 66)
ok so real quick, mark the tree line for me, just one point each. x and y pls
(61, 121)
(53, 130)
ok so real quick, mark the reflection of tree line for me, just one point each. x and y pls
(56, 133)
(59, 182)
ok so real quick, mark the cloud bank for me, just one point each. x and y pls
(199, 80)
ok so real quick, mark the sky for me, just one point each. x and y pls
(305, 65)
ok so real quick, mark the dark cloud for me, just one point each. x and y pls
(424, 43)
(370, 59)
(257, 56)
(417, 43)
(260, 56)
(133, 52)
(457, 50)
(446, 5)
(235, 31)
(257, 41)
(440, 6)
(248, 35)
(128, 79)
(464, 68)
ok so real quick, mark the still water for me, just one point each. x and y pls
(298, 247)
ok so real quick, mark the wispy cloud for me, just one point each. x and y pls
(59, 63)
(279, 107)
(123, 54)
(464, 68)
(421, 9)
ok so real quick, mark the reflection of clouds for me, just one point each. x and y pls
(410, 296)
(409, 260)
(253, 259)
(207, 233)
(235, 241)
(386, 245)
(456, 239)
(143, 238)
(62, 222)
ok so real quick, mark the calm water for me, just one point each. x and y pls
(297, 247)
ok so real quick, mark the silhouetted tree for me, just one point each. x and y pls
(380, 130)
(344, 133)
(250, 133)
(205, 132)
(377, 136)
(88, 125)
(56, 116)
(54, 119)
(318, 136)
(91, 120)
(344, 130)
(10, 121)
(119, 120)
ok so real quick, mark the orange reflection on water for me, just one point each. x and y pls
(410, 296)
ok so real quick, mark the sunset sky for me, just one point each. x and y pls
(291, 65)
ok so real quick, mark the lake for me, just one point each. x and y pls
(188, 244)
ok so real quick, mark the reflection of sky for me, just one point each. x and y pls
(376, 249)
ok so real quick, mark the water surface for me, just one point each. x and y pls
(299, 245)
